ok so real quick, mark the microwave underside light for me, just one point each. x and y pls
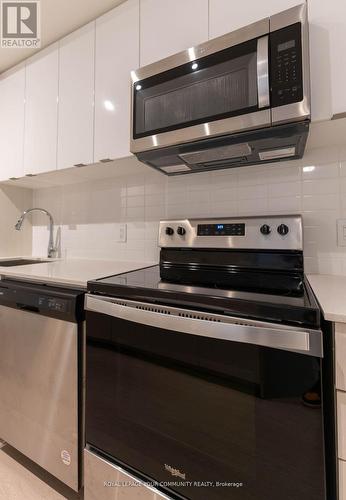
(273, 154)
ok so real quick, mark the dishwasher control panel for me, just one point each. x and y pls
(52, 304)
(60, 303)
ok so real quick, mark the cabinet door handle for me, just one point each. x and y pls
(209, 325)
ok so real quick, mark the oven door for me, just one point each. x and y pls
(219, 87)
(208, 406)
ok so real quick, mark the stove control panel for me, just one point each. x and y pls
(272, 232)
(221, 229)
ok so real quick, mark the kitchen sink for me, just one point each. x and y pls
(20, 262)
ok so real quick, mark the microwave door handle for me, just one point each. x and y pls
(288, 339)
(263, 72)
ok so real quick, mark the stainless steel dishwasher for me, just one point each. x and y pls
(41, 375)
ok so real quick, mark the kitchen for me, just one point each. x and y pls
(206, 368)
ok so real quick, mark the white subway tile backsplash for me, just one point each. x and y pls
(136, 230)
(343, 185)
(320, 202)
(90, 213)
(251, 192)
(155, 199)
(284, 189)
(252, 176)
(136, 187)
(284, 172)
(155, 212)
(223, 194)
(199, 197)
(224, 208)
(329, 170)
(175, 196)
(285, 204)
(343, 168)
(321, 186)
(318, 156)
(310, 265)
(135, 201)
(135, 213)
(253, 206)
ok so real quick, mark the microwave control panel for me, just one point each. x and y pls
(286, 73)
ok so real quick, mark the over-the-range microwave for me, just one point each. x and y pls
(239, 99)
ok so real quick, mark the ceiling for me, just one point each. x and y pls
(58, 18)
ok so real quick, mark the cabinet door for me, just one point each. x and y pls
(228, 15)
(342, 480)
(340, 356)
(341, 423)
(168, 26)
(12, 86)
(327, 52)
(76, 97)
(41, 112)
(117, 53)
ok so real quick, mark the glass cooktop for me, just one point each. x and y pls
(146, 285)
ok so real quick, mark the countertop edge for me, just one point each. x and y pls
(62, 277)
(329, 288)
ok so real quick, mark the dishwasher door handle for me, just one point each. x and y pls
(213, 326)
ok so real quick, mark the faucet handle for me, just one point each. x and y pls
(19, 223)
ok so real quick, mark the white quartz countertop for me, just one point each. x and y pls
(72, 272)
(330, 292)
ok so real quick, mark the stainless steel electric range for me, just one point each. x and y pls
(208, 375)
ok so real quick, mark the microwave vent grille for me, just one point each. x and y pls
(216, 156)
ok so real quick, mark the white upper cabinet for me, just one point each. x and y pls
(12, 87)
(327, 49)
(228, 15)
(76, 97)
(41, 111)
(117, 53)
(167, 27)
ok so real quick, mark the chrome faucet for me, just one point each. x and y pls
(51, 247)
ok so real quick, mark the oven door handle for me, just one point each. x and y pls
(263, 72)
(232, 329)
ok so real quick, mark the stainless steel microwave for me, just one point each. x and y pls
(240, 99)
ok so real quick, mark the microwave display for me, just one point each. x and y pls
(286, 45)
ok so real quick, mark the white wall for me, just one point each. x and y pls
(13, 201)
(89, 213)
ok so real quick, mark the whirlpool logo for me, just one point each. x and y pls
(175, 472)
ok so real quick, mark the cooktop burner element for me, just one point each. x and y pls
(249, 267)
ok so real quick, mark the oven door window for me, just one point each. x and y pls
(208, 419)
(218, 86)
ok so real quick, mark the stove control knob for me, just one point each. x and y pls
(169, 231)
(265, 229)
(283, 229)
(181, 231)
